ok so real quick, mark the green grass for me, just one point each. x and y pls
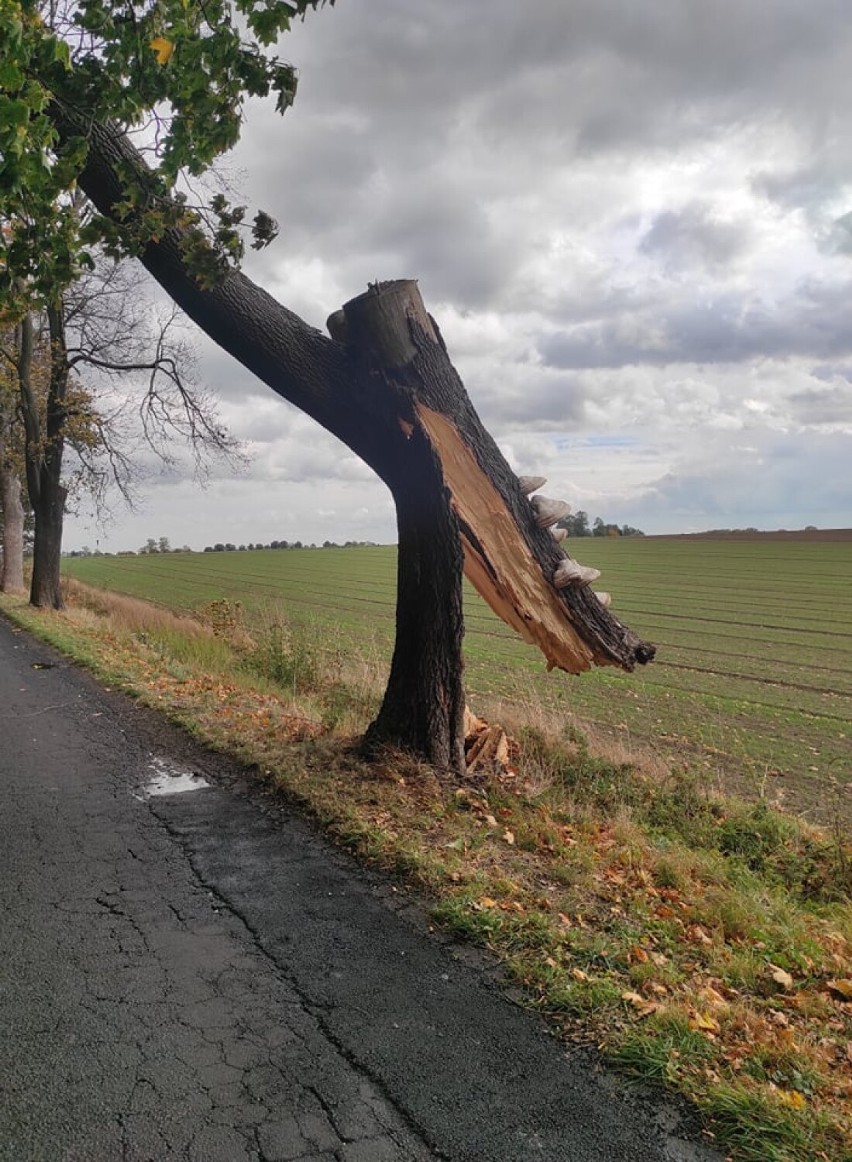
(753, 681)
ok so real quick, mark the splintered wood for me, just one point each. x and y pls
(486, 748)
(502, 567)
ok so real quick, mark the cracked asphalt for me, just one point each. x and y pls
(201, 976)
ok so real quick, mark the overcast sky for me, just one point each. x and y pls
(633, 222)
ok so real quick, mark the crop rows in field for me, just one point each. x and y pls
(754, 669)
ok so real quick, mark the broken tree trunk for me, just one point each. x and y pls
(423, 706)
(400, 406)
(508, 558)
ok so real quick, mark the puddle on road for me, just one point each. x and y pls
(168, 779)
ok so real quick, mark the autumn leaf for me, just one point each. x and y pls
(509, 836)
(791, 1098)
(635, 999)
(163, 49)
(703, 1023)
(697, 934)
(641, 1004)
(841, 988)
(783, 978)
(712, 997)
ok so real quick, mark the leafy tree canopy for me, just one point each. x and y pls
(175, 72)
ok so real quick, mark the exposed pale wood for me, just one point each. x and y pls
(489, 751)
(501, 566)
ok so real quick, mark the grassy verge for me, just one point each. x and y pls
(703, 944)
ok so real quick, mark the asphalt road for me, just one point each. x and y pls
(199, 975)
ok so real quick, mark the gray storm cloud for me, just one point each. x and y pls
(627, 218)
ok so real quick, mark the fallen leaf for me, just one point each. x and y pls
(712, 997)
(509, 836)
(641, 1004)
(579, 975)
(703, 1022)
(785, 980)
(792, 1098)
(698, 934)
(637, 955)
(841, 988)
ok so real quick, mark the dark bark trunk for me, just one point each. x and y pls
(12, 572)
(402, 408)
(49, 512)
(44, 451)
(423, 707)
(12, 568)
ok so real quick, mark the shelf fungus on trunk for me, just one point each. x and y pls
(528, 484)
(558, 534)
(604, 598)
(547, 512)
(571, 572)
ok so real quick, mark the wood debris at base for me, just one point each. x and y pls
(487, 749)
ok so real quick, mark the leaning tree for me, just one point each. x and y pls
(178, 72)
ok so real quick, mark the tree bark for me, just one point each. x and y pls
(423, 706)
(401, 407)
(49, 512)
(45, 444)
(12, 572)
(12, 508)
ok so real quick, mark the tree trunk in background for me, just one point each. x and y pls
(49, 512)
(12, 572)
(44, 449)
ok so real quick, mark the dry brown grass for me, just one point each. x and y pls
(129, 614)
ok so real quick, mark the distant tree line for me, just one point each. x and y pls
(577, 525)
(219, 547)
(161, 545)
